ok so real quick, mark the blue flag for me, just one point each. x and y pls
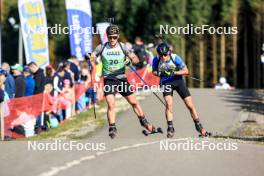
(80, 27)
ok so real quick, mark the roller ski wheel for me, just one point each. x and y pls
(170, 132)
(153, 131)
(112, 132)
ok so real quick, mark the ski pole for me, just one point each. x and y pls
(197, 79)
(146, 84)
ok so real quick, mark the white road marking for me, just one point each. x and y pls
(55, 170)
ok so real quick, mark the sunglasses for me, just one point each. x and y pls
(164, 55)
(112, 37)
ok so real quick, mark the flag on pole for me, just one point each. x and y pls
(33, 24)
(80, 27)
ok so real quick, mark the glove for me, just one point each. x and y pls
(127, 61)
(90, 56)
(165, 73)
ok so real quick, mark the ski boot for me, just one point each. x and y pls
(112, 131)
(201, 129)
(150, 129)
(170, 132)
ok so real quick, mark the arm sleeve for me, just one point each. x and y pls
(126, 49)
(98, 50)
(179, 62)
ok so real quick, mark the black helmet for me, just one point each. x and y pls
(163, 49)
(112, 30)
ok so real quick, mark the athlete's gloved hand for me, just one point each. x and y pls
(90, 56)
(127, 61)
(165, 73)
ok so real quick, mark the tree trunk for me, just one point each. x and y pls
(190, 67)
(183, 46)
(214, 57)
(201, 55)
(245, 48)
(235, 24)
(223, 56)
(259, 45)
(262, 42)
(258, 49)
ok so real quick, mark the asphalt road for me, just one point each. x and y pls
(132, 153)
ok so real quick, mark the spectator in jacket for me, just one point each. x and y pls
(58, 81)
(20, 83)
(39, 77)
(3, 94)
(74, 67)
(30, 82)
(49, 74)
(69, 75)
(10, 81)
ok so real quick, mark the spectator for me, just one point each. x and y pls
(39, 77)
(223, 84)
(84, 78)
(69, 75)
(20, 83)
(3, 94)
(10, 81)
(139, 50)
(74, 67)
(68, 98)
(30, 82)
(49, 71)
(58, 81)
(85, 74)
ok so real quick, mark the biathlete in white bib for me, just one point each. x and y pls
(115, 56)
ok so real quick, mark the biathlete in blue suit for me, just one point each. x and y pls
(171, 69)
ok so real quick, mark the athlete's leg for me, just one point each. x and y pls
(169, 115)
(198, 126)
(131, 99)
(189, 104)
(168, 111)
(110, 100)
(186, 96)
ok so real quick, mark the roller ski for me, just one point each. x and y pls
(112, 132)
(150, 129)
(154, 131)
(201, 130)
